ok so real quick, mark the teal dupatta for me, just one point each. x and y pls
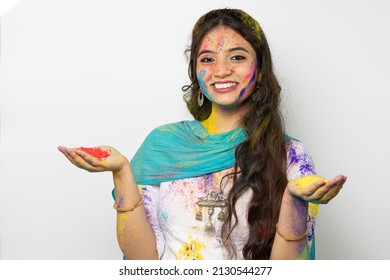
(184, 150)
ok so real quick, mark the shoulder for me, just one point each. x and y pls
(165, 129)
(175, 130)
(167, 133)
(299, 160)
(172, 127)
(294, 146)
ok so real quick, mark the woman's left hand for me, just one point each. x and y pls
(316, 190)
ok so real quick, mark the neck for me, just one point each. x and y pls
(222, 120)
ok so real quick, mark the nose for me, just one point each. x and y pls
(222, 69)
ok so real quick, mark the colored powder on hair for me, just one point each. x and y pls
(95, 152)
(251, 23)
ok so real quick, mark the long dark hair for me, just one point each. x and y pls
(261, 159)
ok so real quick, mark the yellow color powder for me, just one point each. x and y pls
(306, 181)
(191, 250)
(313, 209)
(122, 220)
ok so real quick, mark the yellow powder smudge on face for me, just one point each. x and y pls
(306, 181)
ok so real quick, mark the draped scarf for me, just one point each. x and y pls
(184, 149)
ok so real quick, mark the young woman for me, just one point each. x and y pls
(229, 184)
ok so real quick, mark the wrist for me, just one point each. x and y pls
(123, 170)
(293, 211)
(124, 180)
(292, 199)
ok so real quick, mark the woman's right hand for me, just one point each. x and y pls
(114, 162)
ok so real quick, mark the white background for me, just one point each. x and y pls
(93, 72)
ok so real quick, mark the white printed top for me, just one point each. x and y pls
(186, 231)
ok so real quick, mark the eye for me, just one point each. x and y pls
(237, 57)
(206, 60)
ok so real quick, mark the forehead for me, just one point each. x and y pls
(221, 37)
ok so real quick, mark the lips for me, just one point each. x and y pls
(223, 87)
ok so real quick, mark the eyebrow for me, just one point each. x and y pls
(229, 50)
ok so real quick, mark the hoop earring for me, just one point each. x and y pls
(200, 98)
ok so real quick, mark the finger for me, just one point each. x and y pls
(65, 152)
(87, 157)
(329, 191)
(61, 149)
(319, 194)
(326, 198)
(308, 191)
(96, 164)
(330, 195)
(79, 161)
(338, 180)
(339, 183)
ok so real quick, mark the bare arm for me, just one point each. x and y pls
(292, 222)
(135, 235)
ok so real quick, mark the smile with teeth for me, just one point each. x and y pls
(224, 85)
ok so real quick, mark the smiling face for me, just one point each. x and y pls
(226, 67)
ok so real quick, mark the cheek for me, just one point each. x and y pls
(205, 72)
(250, 77)
(202, 76)
(249, 82)
(252, 80)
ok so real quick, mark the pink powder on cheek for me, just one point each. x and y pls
(247, 78)
(249, 82)
(251, 75)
